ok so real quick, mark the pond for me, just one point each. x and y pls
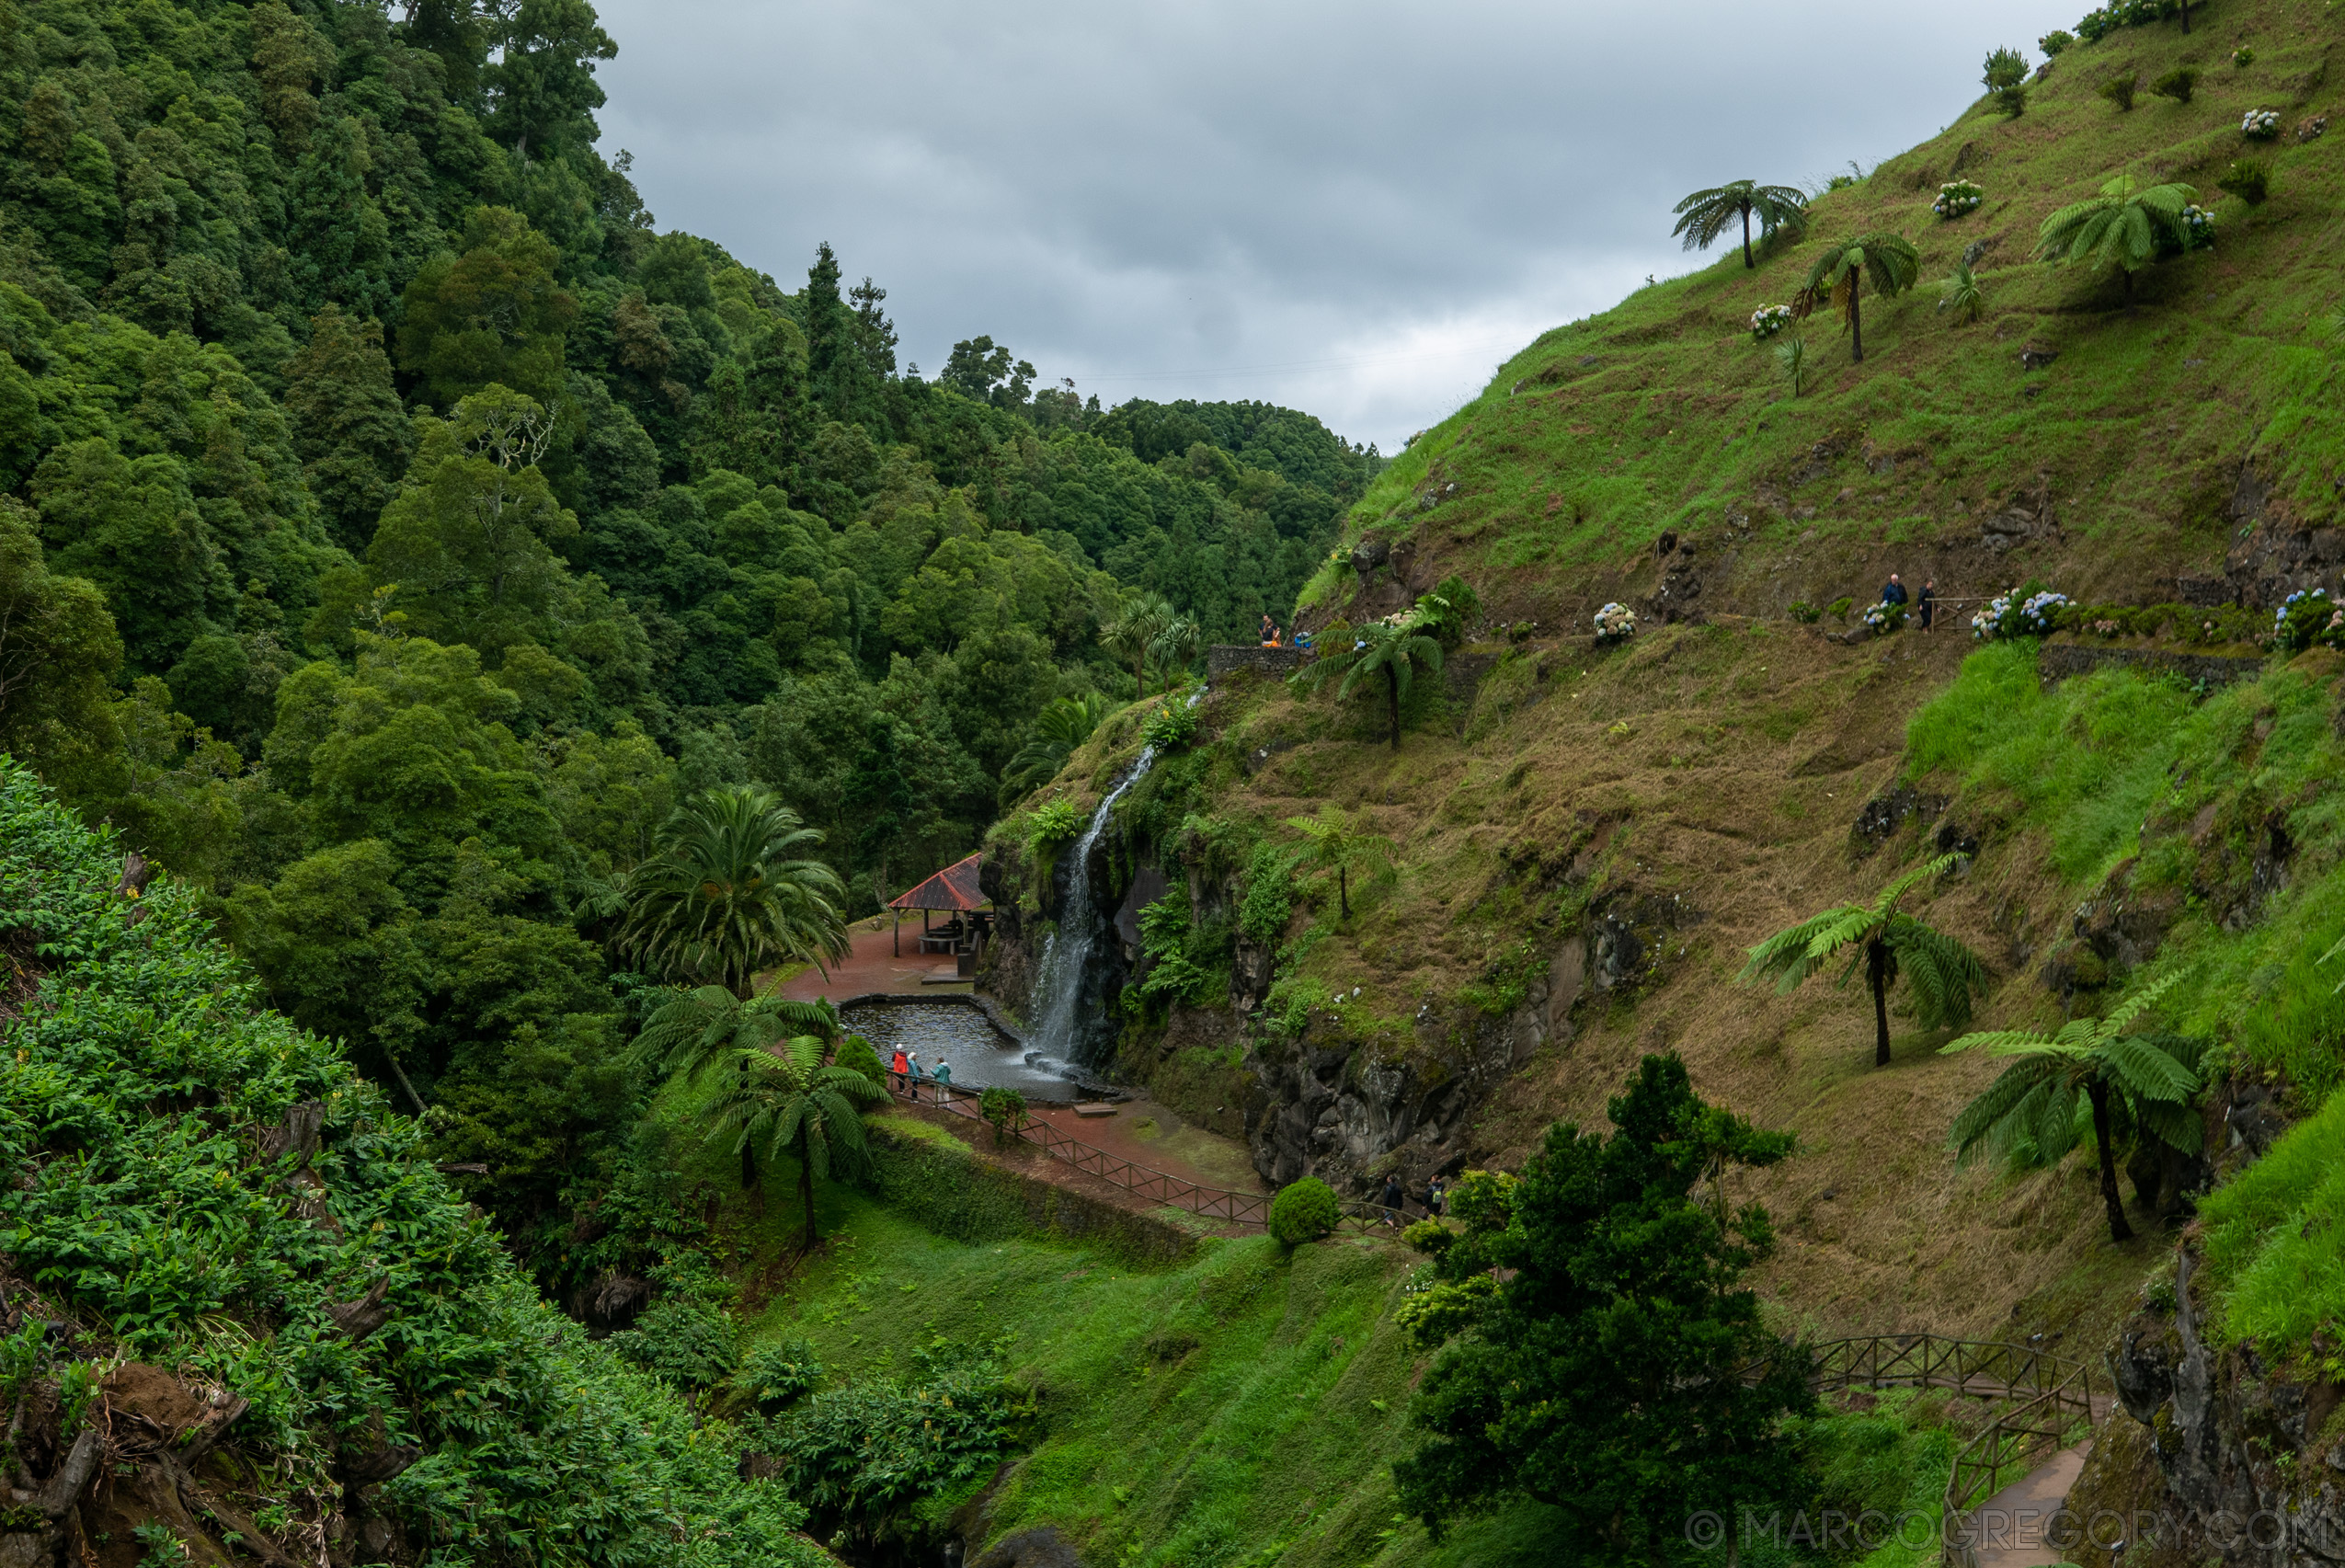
(982, 1057)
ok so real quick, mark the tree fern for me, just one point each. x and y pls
(2029, 1115)
(1885, 943)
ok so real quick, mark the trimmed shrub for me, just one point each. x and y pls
(2053, 42)
(1006, 1109)
(2177, 84)
(1303, 1211)
(1806, 614)
(1429, 1237)
(2120, 90)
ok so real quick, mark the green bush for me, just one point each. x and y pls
(2011, 102)
(2307, 618)
(1430, 1237)
(1303, 1211)
(1806, 614)
(858, 1055)
(778, 1375)
(2177, 84)
(1054, 822)
(2053, 42)
(2251, 182)
(2120, 90)
(1269, 902)
(1173, 725)
(2243, 57)
(2006, 68)
(1484, 1201)
(1838, 609)
(1006, 1109)
(859, 1453)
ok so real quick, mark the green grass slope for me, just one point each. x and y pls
(1661, 414)
(1699, 788)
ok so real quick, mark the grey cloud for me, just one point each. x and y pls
(1354, 208)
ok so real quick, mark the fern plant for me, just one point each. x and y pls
(1889, 944)
(2029, 1115)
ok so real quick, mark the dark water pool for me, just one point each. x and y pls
(981, 1056)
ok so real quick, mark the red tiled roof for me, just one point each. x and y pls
(954, 888)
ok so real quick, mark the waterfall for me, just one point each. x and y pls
(1061, 1028)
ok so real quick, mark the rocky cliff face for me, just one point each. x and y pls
(2216, 1455)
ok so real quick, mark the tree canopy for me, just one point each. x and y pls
(1602, 1354)
(1705, 216)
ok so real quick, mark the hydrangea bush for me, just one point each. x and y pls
(1884, 618)
(2308, 617)
(2124, 14)
(1769, 320)
(1957, 197)
(2010, 615)
(1615, 623)
(2198, 227)
(2261, 124)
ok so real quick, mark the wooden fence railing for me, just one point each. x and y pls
(1251, 1209)
(2051, 1392)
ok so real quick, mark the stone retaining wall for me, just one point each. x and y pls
(1227, 659)
(2060, 660)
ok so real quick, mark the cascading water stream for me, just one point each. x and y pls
(1059, 1032)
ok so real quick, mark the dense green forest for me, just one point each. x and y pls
(394, 525)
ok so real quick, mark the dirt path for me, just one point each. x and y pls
(2012, 1524)
(1029, 1161)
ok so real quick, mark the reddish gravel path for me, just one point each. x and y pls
(874, 966)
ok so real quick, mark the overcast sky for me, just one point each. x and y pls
(1357, 209)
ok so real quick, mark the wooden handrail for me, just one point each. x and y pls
(2047, 1387)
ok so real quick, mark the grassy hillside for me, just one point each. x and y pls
(1661, 414)
(1677, 799)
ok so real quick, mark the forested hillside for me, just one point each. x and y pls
(394, 524)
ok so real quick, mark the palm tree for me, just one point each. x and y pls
(2125, 226)
(1335, 845)
(1841, 272)
(729, 892)
(1393, 647)
(1940, 971)
(1138, 620)
(1066, 723)
(2029, 1114)
(796, 1104)
(1704, 215)
(1175, 646)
